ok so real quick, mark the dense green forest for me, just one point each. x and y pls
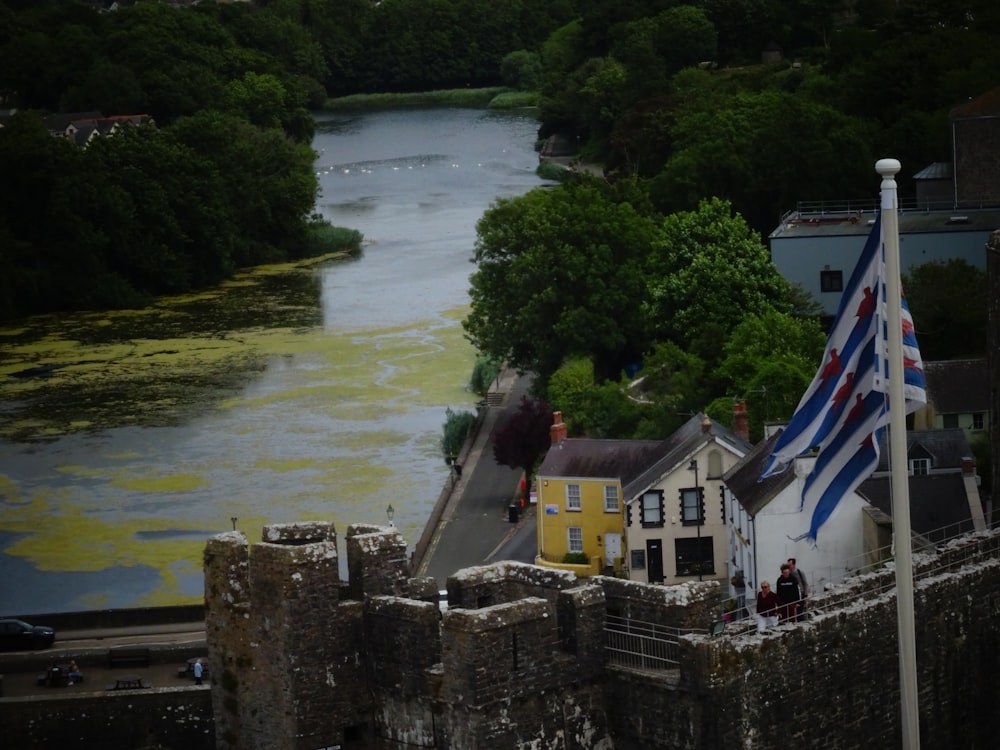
(703, 145)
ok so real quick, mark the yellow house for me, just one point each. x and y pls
(580, 505)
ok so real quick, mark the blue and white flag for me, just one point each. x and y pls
(845, 409)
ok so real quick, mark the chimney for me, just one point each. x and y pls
(706, 425)
(558, 429)
(741, 420)
(968, 465)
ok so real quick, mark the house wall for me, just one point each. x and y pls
(838, 550)
(713, 460)
(799, 259)
(554, 519)
(977, 160)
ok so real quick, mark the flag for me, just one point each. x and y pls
(845, 409)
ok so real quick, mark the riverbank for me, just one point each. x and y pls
(494, 97)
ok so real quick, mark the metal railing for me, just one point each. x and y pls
(640, 645)
(873, 575)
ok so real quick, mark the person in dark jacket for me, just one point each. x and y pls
(800, 578)
(787, 590)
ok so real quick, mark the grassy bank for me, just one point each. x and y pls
(496, 97)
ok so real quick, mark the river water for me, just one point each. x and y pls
(308, 392)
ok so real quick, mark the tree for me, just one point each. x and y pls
(948, 302)
(559, 274)
(525, 437)
(709, 273)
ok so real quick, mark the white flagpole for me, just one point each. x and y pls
(909, 699)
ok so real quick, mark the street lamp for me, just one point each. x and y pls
(693, 466)
(233, 519)
(390, 513)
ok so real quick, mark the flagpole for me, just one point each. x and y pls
(909, 699)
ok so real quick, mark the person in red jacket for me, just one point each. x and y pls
(767, 607)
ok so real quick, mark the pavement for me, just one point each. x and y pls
(474, 527)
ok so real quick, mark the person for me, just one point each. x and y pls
(800, 579)
(788, 594)
(73, 673)
(767, 607)
(198, 668)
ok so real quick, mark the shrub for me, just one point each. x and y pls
(484, 372)
(322, 238)
(576, 558)
(457, 426)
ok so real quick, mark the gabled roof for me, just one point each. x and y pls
(960, 386)
(687, 439)
(743, 480)
(936, 500)
(939, 170)
(946, 448)
(587, 458)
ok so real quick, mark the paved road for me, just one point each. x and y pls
(474, 527)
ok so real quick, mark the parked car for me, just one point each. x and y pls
(17, 635)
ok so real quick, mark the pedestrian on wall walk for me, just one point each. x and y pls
(788, 594)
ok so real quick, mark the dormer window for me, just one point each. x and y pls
(920, 466)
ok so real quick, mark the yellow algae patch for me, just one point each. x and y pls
(176, 483)
(9, 490)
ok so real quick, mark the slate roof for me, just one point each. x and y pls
(946, 448)
(683, 442)
(742, 479)
(960, 386)
(986, 105)
(588, 458)
(939, 170)
(936, 501)
(637, 464)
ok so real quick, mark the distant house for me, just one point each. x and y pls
(580, 507)
(675, 523)
(83, 127)
(958, 395)
(956, 208)
(944, 488)
(767, 524)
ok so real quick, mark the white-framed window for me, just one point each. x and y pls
(978, 420)
(611, 502)
(652, 509)
(692, 510)
(573, 497)
(920, 466)
(574, 539)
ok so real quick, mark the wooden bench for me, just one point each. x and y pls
(126, 656)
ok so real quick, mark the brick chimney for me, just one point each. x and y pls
(741, 420)
(968, 465)
(706, 425)
(558, 429)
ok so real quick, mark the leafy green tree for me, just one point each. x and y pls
(709, 273)
(456, 429)
(524, 438)
(484, 372)
(948, 302)
(559, 273)
(522, 70)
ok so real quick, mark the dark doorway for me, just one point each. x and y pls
(654, 560)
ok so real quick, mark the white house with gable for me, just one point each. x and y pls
(767, 525)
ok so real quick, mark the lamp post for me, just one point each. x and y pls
(390, 513)
(233, 519)
(693, 466)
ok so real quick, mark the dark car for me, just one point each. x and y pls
(17, 635)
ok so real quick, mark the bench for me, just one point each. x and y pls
(118, 657)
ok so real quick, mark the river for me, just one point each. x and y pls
(308, 392)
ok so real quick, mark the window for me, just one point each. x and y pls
(831, 281)
(695, 556)
(692, 506)
(611, 499)
(575, 539)
(573, 497)
(652, 509)
(978, 420)
(920, 466)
